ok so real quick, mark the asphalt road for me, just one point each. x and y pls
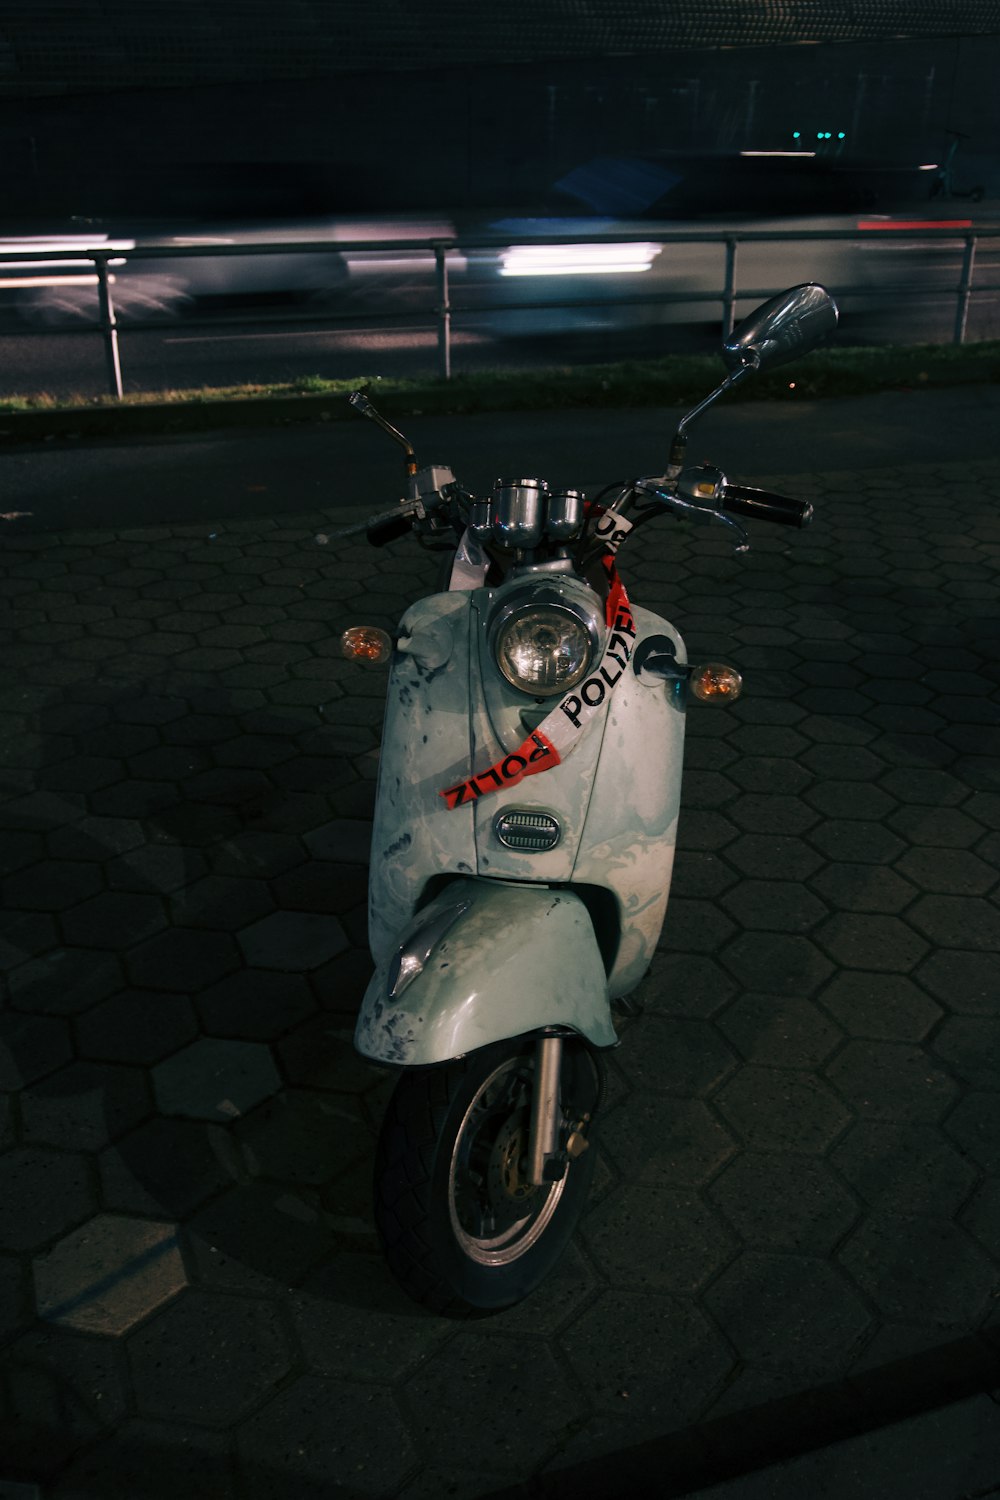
(341, 465)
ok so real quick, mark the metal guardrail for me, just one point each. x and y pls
(442, 309)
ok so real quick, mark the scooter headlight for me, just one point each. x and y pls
(544, 649)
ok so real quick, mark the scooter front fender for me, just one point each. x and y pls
(486, 960)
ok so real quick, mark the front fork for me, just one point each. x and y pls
(547, 1159)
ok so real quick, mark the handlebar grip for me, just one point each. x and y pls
(387, 528)
(762, 505)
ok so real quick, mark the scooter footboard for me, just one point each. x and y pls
(482, 962)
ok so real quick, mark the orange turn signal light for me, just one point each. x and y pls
(715, 682)
(366, 644)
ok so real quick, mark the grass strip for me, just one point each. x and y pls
(678, 379)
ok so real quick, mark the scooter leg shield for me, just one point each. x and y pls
(482, 962)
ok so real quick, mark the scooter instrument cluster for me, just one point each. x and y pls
(523, 511)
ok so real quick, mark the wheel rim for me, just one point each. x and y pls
(496, 1215)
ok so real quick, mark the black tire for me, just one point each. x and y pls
(460, 1232)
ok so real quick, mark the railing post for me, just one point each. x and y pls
(729, 291)
(443, 311)
(965, 289)
(109, 327)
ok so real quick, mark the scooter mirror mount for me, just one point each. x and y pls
(788, 325)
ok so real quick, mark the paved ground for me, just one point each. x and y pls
(794, 1233)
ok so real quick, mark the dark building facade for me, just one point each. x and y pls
(209, 106)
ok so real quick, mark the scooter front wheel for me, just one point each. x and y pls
(463, 1229)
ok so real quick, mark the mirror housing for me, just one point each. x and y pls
(789, 325)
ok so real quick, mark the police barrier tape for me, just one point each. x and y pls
(549, 744)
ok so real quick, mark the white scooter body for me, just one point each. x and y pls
(474, 941)
(523, 845)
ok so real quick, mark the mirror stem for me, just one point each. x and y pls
(360, 402)
(679, 445)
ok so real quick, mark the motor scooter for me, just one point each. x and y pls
(523, 838)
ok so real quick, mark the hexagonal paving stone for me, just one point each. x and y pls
(61, 1391)
(221, 902)
(663, 1140)
(871, 942)
(768, 856)
(293, 940)
(188, 1461)
(15, 1302)
(774, 1109)
(42, 1194)
(856, 841)
(965, 982)
(792, 1309)
(892, 1081)
(681, 1056)
(704, 830)
(942, 826)
(849, 762)
(776, 963)
(322, 886)
(864, 888)
(51, 885)
(850, 799)
(695, 927)
(970, 1045)
(966, 922)
(292, 1441)
(256, 1004)
(138, 1026)
(156, 868)
(64, 981)
(303, 1137)
(904, 1168)
(353, 1322)
(165, 1167)
(216, 1080)
(953, 872)
(920, 1270)
(700, 874)
(30, 1047)
(84, 1105)
(775, 1029)
(320, 1052)
(183, 959)
(109, 1274)
(760, 813)
(207, 1358)
(683, 984)
(784, 1202)
(773, 906)
(260, 1235)
(456, 1394)
(657, 1353)
(886, 1007)
(974, 1126)
(344, 840)
(659, 1238)
(981, 1216)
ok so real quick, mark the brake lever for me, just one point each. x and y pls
(705, 515)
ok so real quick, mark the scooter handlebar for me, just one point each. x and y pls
(383, 529)
(763, 505)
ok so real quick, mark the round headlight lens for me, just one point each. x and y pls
(543, 650)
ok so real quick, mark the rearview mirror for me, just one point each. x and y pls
(782, 329)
